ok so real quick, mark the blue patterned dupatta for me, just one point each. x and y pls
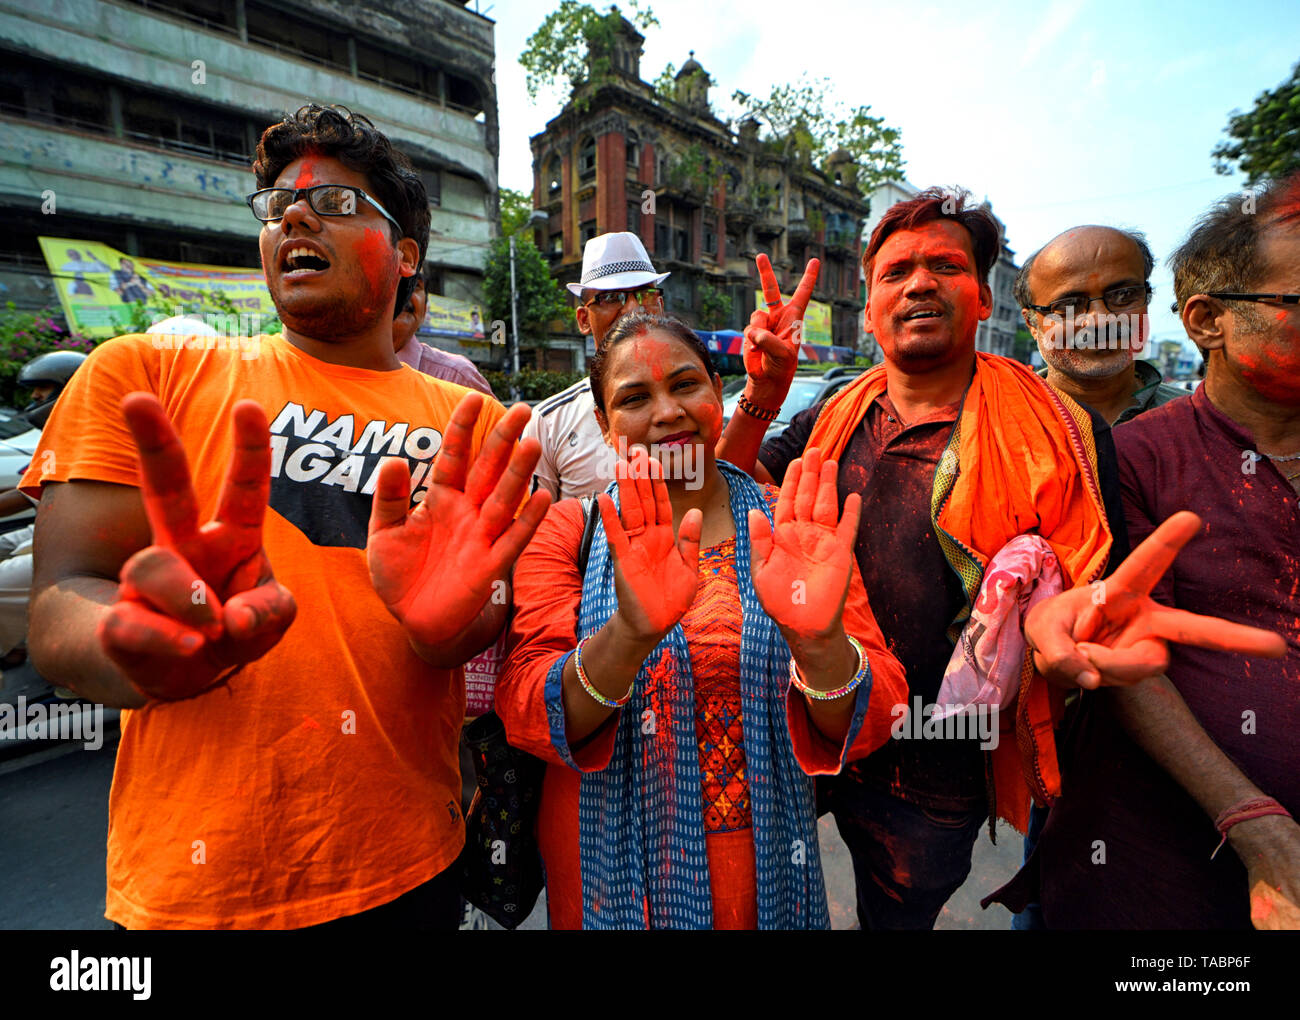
(641, 819)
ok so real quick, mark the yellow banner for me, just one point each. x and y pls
(816, 319)
(97, 284)
(454, 318)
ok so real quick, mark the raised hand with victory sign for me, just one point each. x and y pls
(198, 600)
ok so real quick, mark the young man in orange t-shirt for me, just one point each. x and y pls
(292, 667)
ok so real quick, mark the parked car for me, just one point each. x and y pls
(806, 389)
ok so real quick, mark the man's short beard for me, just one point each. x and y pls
(329, 318)
(1085, 364)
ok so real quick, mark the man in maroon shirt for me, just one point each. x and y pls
(909, 813)
(1165, 770)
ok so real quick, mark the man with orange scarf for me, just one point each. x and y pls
(955, 453)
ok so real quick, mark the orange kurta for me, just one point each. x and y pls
(548, 590)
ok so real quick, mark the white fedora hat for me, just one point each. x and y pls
(616, 262)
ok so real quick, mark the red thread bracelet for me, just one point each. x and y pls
(1245, 811)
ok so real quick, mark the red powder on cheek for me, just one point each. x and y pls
(375, 253)
(1274, 371)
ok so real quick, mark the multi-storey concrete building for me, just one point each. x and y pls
(997, 333)
(704, 199)
(140, 117)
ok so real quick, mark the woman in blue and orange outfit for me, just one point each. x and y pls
(684, 688)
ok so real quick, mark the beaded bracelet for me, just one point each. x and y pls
(839, 692)
(1244, 811)
(754, 411)
(586, 684)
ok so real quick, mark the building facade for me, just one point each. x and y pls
(703, 198)
(141, 117)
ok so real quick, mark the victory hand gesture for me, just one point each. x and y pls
(801, 570)
(771, 347)
(1120, 638)
(655, 572)
(199, 600)
(436, 566)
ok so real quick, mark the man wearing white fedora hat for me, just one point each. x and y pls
(617, 278)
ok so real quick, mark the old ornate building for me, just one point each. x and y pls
(704, 198)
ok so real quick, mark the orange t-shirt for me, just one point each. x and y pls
(323, 779)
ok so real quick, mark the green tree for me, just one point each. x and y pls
(515, 208)
(541, 300)
(715, 307)
(806, 121)
(557, 53)
(695, 169)
(665, 85)
(1264, 142)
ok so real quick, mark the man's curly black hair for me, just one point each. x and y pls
(354, 141)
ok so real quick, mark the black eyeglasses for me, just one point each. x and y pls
(270, 204)
(618, 298)
(1117, 299)
(1286, 299)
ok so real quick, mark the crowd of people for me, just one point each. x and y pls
(290, 559)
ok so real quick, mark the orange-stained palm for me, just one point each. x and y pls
(655, 571)
(801, 569)
(436, 567)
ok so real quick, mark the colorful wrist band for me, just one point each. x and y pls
(1244, 811)
(839, 692)
(586, 684)
(754, 411)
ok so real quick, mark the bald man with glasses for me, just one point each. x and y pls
(1084, 297)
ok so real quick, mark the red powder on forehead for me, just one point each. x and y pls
(374, 252)
(307, 174)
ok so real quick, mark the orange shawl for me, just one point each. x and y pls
(1021, 460)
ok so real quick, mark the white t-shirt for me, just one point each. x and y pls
(575, 461)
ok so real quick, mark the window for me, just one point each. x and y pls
(587, 158)
(710, 234)
(554, 169)
(587, 231)
(663, 239)
(432, 184)
(433, 281)
(463, 93)
(634, 217)
(633, 149)
(80, 101)
(681, 245)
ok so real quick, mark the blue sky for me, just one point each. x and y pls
(1062, 113)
